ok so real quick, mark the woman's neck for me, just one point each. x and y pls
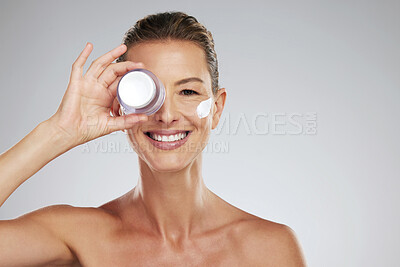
(174, 202)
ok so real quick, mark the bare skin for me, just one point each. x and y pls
(170, 218)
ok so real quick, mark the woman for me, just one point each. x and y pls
(170, 217)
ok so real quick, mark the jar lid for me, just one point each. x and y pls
(136, 89)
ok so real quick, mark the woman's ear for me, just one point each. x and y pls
(219, 104)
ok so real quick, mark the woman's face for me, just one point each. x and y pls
(182, 68)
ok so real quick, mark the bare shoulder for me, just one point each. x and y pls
(55, 214)
(70, 223)
(267, 243)
(261, 242)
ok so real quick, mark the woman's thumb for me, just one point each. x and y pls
(119, 123)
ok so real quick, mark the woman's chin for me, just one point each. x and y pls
(167, 164)
(166, 159)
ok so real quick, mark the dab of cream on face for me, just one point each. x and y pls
(204, 108)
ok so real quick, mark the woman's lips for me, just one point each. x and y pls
(167, 138)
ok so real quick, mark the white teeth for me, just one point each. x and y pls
(168, 138)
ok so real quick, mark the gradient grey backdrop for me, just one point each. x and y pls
(338, 188)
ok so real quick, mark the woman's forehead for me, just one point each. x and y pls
(171, 60)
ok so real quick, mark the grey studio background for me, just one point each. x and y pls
(310, 133)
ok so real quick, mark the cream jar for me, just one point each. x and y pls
(140, 91)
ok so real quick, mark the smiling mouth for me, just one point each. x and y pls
(168, 138)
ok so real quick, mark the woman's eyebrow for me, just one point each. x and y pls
(190, 79)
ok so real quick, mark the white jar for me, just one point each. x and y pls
(140, 91)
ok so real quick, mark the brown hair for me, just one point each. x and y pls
(175, 26)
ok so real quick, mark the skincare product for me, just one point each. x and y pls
(140, 91)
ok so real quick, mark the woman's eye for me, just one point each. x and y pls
(188, 92)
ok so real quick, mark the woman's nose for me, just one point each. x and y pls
(167, 113)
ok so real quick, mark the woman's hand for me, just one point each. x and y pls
(84, 113)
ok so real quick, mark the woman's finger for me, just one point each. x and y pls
(99, 65)
(113, 87)
(77, 67)
(115, 70)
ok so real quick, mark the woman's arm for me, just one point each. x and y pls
(83, 115)
(39, 238)
(39, 147)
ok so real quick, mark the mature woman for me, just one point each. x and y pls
(170, 218)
